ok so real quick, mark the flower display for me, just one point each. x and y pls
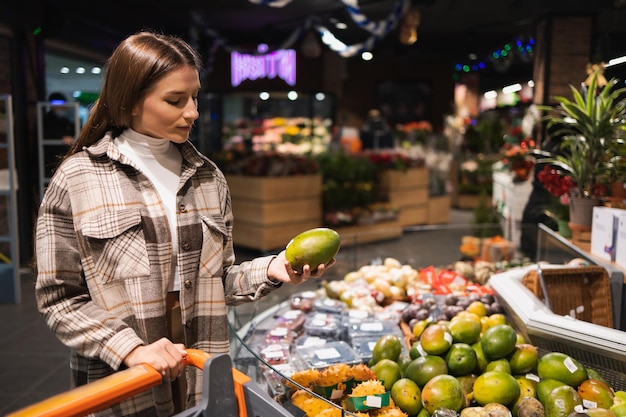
(297, 135)
(559, 186)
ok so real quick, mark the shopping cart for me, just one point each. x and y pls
(226, 392)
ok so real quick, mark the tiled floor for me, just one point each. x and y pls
(34, 365)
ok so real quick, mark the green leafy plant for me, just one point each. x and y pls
(589, 124)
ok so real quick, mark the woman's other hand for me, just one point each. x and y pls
(166, 357)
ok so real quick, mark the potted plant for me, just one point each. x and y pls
(589, 125)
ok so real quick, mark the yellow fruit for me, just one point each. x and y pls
(479, 308)
(461, 359)
(423, 369)
(407, 396)
(562, 367)
(313, 247)
(496, 387)
(419, 327)
(443, 391)
(386, 347)
(436, 339)
(495, 319)
(524, 358)
(465, 330)
(527, 389)
(498, 341)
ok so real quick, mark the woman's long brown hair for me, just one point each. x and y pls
(135, 65)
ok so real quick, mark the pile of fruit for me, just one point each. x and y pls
(473, 363)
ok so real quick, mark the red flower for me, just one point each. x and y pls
(554, 182)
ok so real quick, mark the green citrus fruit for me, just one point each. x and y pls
(407, 396)
(545, 387)
(442, 391)
(482, 361)
(498, 341)
(461, 359)
(524, 358)
(501, 365)
(465, 330)
(562, 367)
(423, 369)
(386, 347)
(387, 371)
(561, 401)
(435, 339)
(496, 387)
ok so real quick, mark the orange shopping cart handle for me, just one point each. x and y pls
(105, 392)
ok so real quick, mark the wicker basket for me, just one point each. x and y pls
(582, 292)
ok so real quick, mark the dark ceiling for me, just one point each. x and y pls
(449, 29)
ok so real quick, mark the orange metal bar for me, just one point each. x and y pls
(119, 386)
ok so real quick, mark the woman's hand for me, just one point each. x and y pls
(281, 271)
(166, 357)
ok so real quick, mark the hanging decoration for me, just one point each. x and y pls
(271, 3)
(378, 30)
(592, 70)
(408, 26)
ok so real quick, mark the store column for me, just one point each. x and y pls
(563, 50)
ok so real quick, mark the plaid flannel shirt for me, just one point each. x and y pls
(104, 251)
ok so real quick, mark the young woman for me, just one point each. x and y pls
(134, 247)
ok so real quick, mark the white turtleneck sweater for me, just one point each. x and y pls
(160, 161)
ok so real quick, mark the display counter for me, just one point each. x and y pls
(257, 341)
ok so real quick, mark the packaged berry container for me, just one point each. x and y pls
(292, 319)
(303, 301)
(318, 357)
(323, 325)
(330, 305)
(279, 334)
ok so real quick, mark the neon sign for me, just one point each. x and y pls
(280, 63)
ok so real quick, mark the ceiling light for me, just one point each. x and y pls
(511, 88)
(292, 95)
(96, 70)
(491, 94)
(320, 96)
(264, 95)
(367, 56)
(64, 70)
(80, 70)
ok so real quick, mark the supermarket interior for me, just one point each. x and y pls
(468, 160)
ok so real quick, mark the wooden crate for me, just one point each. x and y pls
(269, 211)
(408, 191)
(410, 215)
(395, 179)
(274, 188)
(268, 237)
(367, 233)
(438, 209)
